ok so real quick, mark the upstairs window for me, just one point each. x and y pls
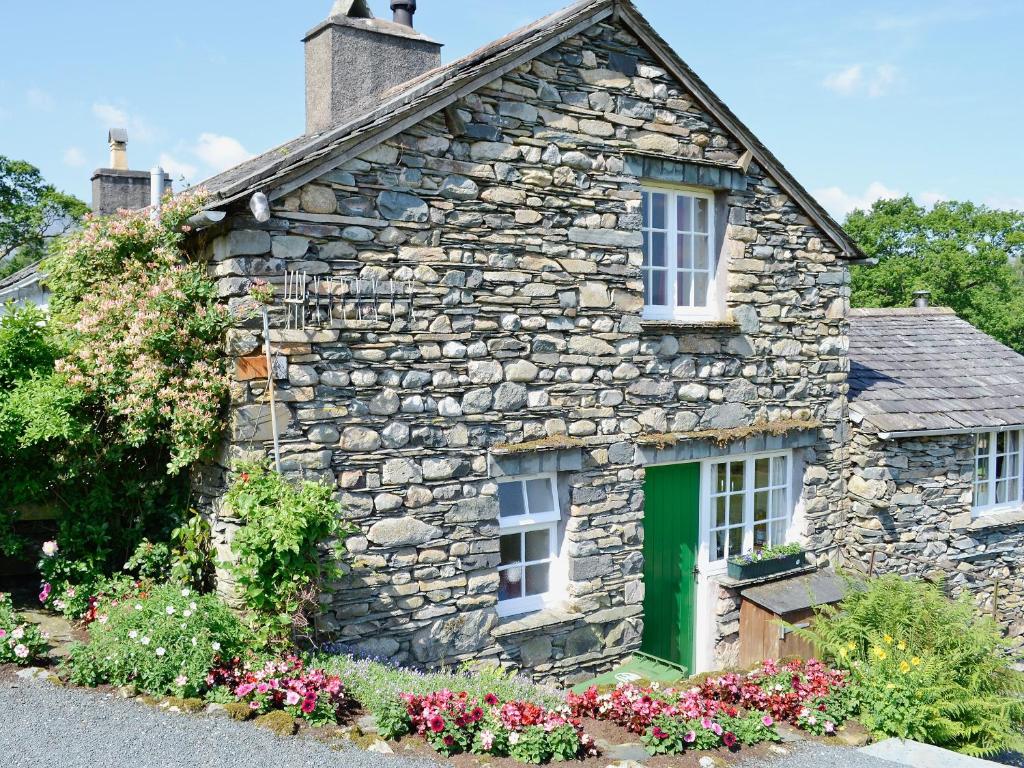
(679, 259)
(528, 521)
(997, 471)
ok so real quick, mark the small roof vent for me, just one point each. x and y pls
(354, 9)
(922, 299)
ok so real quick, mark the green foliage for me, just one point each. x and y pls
(674, 735)
(749, 728)
(21, 642)
(279, 567)
(923, 666)
(163, 644)
(31, 213)
(967, 255)
(192, 554)
(150, 561)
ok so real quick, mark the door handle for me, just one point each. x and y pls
(696, 571)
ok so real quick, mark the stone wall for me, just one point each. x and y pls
(910, 513)
(516, 217)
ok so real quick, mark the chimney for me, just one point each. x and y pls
(921, 299)
(353, 58)
(117, 187)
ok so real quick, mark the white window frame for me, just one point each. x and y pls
(673, 311)
(708, 497)
(1011, 503)
(523, 524)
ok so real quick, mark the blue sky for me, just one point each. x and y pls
(860, 100)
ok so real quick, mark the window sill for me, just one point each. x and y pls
(725, 326)
(1003, 518)
(530, 622)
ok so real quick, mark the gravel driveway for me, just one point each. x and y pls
(811, 755)
(44, 726)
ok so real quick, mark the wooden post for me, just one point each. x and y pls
(270, 383)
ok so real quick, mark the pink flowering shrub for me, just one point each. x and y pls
(310, 694)
(722, 711)
(143, 327)
(21, 642)
(453, 723)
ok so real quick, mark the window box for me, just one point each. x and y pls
(747, 567)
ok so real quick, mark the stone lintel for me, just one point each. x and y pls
(535, 462)
(657, 167)
(678, 447)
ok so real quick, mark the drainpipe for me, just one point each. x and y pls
(156, 192)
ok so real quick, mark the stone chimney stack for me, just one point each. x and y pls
(353, 58)
(117, 187)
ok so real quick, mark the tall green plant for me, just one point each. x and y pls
(280, 567)
(923, 666)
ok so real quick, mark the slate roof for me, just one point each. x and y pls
(923, 371)
(303, 159)
(26, 275)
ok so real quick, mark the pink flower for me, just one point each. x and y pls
(181, 680)
(830, 727)
(45, 593)
(706, 723)
(21, 651)
(3, 634)
(717, 729)
(690, 737)
(767, 721)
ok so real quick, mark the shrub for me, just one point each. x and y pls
(21, 642)
(923, 666)
(150, 561)
(279, 568)
(164, 643)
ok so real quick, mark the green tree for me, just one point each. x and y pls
(31, 213)
(967, 255)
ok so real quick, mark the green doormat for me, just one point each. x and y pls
(639, 667)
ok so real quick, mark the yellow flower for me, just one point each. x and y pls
(902, 645)
(904, 667)
(842, 652)
(915, 661)
(851, 645)
(888, 639)
(890, 685)
(879, 653)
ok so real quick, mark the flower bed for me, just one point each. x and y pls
(453, 723)
(722, 711)
(21, 642)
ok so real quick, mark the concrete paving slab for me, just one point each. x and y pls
(917, 755)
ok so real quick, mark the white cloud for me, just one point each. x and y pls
(117, 117)
(220, 152)
(178, 169)
(40, 99)
(929, 199)
(73, 156)
(839, 202)
(1005, 203)
(859, 79)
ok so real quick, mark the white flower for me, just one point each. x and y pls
(513, 738)
(215, 645)
(160, 651)
(194, 642)
(18, 632)
(186, 592)
(138, 606)
(170, 610)
(193, 606)
(181, 680)
(50, 548)
(103, 619)
(186, 614)
(21, 651)
(133, 634)
(144, 641)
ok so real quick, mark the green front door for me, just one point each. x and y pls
(671, 533)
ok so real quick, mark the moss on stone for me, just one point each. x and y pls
(723, 437)
(553, 443)
(278, 721)
(238, 710)
(185, 705)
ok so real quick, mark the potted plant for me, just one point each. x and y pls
(767, 562)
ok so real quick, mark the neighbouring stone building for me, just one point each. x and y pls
(935, 455)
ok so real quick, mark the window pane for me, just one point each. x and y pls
(1000, 467)
(981, 473)
(983, 439)
(760, 506)
(718, 546)
(762, 477)
(537, 579)
(736, 472)
(1013, 489)
(1014, 441)
(735, 541)
(779, 470)
(684, 213)
(700, 252)
(684, 251)
(778, 533)
(658, 249)
(718, 477)
(736, 509)
(539, 496)
(721, 505)
(645, 208)
(683, 280)
(981, 495)
(659, 288)
(1001, 442)
(538, 545)
(778, 507)
(1001, 489)
(510, 499)
(510, 585)
(647, 248)
(701, 214)
(511, 549)
(700, 289)
(760, 536)
(658, 210)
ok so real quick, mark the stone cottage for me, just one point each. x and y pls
(616, 354)
(935, 455)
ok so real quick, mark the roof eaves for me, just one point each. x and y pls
(626, 11)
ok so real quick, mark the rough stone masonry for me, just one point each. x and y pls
(516, 215)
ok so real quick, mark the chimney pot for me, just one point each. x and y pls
(119, 187)
(404, 10)
(922, 299)
(117, 138)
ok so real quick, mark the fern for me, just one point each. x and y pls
(924, 667)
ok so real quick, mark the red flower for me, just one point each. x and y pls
(448, 741)
(436, 724)
(658, 733)
(490, 699)
(729, 739)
